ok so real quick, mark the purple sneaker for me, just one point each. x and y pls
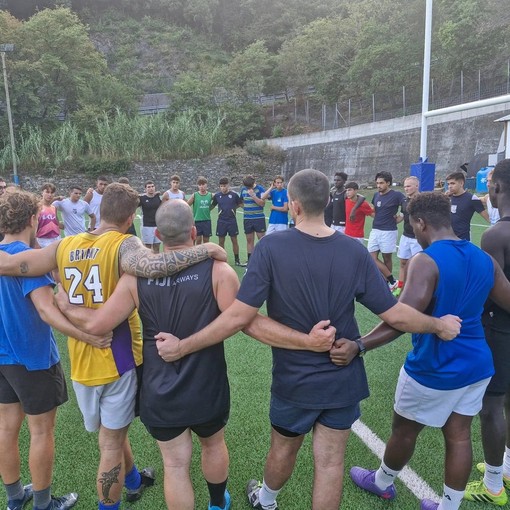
(428, 504)
(365, 478)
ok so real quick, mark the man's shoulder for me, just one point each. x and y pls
(14, 247)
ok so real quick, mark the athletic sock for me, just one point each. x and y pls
(506, 463)
(391, 279)
(133, 479)
(42, 499)
(15, 491)
(267, 496)
(116, 506)
(249, 255)
(451, 499)
(493, 478)
(217, 493)
(385, 476)
(236, 258)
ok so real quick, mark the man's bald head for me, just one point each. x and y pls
(174, 221)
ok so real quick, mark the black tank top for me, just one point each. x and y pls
(193, 390)
(494, 316)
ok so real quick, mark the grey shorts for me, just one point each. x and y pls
(111, 405)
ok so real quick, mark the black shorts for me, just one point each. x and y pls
(499, 342)
(227, 227)
(203, 430)
(255, 225)
(38, 391)
(204, 228)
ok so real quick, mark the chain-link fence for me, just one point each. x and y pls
(306, 110)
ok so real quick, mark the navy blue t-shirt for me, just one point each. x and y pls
(386, 206)
(462, 209)
(407, 230)
(227, 204)
(305, 279)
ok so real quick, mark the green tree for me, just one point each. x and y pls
(57, 69)
(245, 76)
(390, 48)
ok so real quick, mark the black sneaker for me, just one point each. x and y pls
(148, 478)
(18, 504)
(63, 502)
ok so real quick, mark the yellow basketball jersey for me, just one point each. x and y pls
(89, 270)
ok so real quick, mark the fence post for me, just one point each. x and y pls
(349, 117)
(373, 107)
(462, 85)
(479, 84)
(324, 117)
(307, 112)
(295, 109)
(432, 89)
(404, 99)
(335, 122)
(508, 77)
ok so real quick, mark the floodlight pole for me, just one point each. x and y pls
(3, 49)
(426, 79)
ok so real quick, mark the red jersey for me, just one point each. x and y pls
(356, 228)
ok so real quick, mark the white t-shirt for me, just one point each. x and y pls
(95, 205)
(73, 214)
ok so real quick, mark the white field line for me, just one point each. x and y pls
(419, 487)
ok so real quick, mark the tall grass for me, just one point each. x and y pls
(149, 138)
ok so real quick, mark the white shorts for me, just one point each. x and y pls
(276, 227)
(384, 241)
(111, 405)
(339, 228)
(433, 407)
(149, 236)
(408, 248)
(46, 241)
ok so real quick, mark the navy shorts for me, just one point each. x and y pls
(204, 228)
(299, 420)
(203, 430)
(38, 391)
(255, 225)
(499, 343)
(227, 227)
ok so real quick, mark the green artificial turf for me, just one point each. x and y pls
(248, 432)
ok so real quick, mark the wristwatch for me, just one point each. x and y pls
(361, 347)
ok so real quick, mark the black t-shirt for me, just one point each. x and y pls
(386, 207)
(305, 279)
(149, 207)
(462, 208)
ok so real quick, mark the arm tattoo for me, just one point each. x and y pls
(137, 260)
(107, 479)
(23, 268)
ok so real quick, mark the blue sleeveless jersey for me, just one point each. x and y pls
(466, 277)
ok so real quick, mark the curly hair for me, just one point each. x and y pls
(431, 206)
(501, 174)
(16, 210)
